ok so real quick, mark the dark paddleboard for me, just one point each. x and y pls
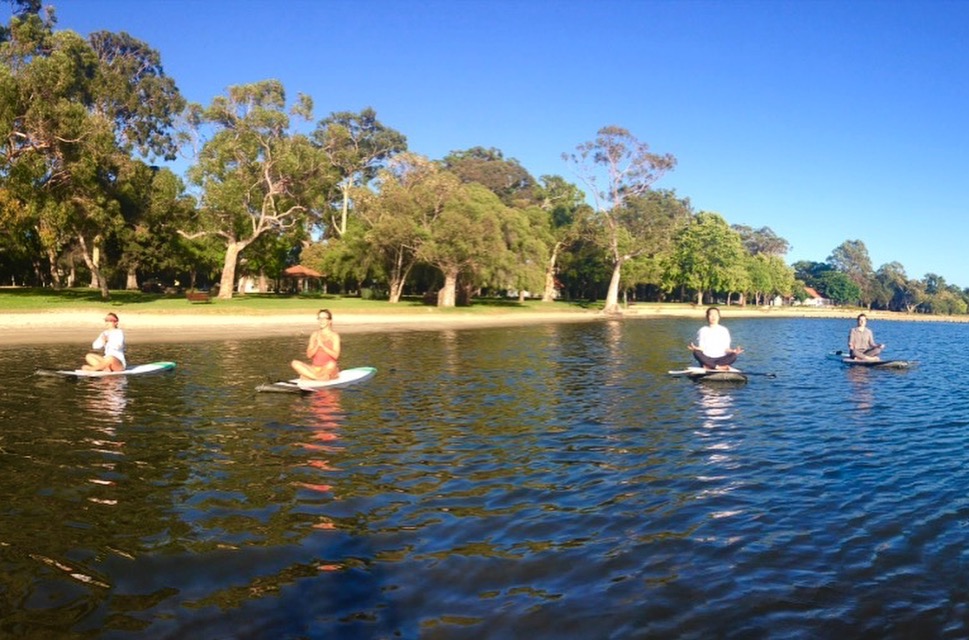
(876, 363)
(346, 378)
(700, 374)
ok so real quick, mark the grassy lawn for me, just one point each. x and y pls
(26, 299)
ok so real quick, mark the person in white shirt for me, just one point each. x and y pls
(112, 341)
(712, 349)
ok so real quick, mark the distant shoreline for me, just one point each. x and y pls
(80, 326)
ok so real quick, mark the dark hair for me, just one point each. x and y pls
(860, 316)
(112, 314)
(711, 309)
(329, 316)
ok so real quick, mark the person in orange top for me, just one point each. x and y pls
(323, 351)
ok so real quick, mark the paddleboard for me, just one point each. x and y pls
(297, 385)
(878, 364)
(712, 375)
(151, 367)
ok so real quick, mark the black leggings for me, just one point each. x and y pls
(713, 363)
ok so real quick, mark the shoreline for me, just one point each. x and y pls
(79, 326)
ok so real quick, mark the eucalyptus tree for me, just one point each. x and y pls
(650, 223)
(851, 258)
(403, 213)
(838, 287)
(154, 205)
(71, 113)
(527, 238)
(934, 283)
(615, 167)
(769, 276)
(524, 226)
(22, 8)
(466, 239)
(893, 288)
(505, 177)
(349, 259)
(708, 257)
(942, 298)
(356, 146)
(256, 174)
(762, 241)
(565, 205)
(810, 272)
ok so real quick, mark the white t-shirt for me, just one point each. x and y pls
(113, 345)
(713, 340)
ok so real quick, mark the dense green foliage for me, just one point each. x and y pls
(81, 205)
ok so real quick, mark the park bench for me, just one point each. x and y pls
(198, 296)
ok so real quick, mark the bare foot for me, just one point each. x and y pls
(723, 367)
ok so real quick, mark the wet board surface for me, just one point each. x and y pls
(712, 375)
(151, 367)
(878, 364)
(346, 378)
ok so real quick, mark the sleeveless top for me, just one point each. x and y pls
(322, 358)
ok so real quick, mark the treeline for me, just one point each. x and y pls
(848, 278)
(84, 200)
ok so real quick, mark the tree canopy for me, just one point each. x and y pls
(84, 120)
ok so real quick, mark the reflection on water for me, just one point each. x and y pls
(862, 396)
(106, 398)
(324, 417)
(548, 481)
(716, 402)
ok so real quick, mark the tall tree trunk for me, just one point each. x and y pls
(398, 276)
(131, 283)
(227, 282)
(612, 295)
(446, 297)
(96, 276)
(345, 206)
(55, 274)
(699, 298)
(548, 295)
(95, 260)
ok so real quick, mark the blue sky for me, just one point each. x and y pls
(826, 121)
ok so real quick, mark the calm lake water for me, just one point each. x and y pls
(534, 482)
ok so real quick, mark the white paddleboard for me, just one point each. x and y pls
(298, 385)
(151, 367)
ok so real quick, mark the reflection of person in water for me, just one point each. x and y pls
(108, 397)
(327, 416)
(716, 405)
(861, 391)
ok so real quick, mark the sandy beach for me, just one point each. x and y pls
(81, 326)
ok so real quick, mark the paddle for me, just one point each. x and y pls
(282, 386)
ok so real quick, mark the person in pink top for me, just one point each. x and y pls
(323, 351)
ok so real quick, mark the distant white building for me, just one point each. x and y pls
(815, 299)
